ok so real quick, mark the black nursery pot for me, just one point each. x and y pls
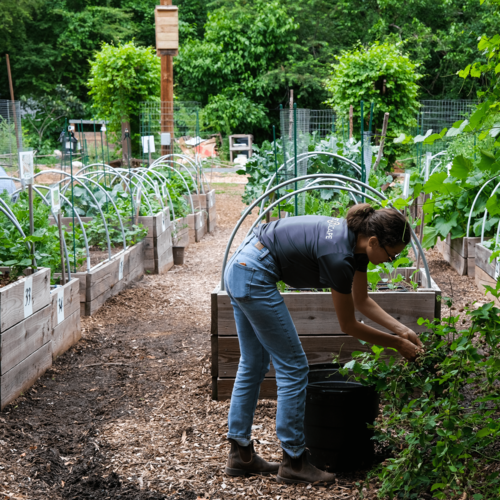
(336, 421)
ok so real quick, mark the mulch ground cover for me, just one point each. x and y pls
(127, 412)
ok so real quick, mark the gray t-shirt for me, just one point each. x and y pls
(313, 251)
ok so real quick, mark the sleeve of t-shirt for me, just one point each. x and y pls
(362, 263)
(336, 270)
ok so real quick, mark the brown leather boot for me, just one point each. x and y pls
(243, 460)
(299, 470)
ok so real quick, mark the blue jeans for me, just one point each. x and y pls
(265, 328)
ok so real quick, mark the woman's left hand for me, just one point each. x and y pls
(410, 335)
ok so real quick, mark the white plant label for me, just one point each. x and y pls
(28, 296)
(55, 199)
(406, 185)
(497, 270)
(148, 143)
(164, 191)
(120, 268)
(163, 222)
(428, 157)
(60, 305)
(26, 166)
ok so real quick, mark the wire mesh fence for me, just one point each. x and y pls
(11, 138)
(176, 127)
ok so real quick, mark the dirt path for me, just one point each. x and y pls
(127, 412)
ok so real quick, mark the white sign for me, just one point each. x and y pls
(26, 166)
(406, 185)
(120, 268)
(148, 143)
(60, 305)
(165, 138)
(497, 270)
(28, 296)
(55, 199)
(164, 191)
(163, 222)
(428, 157)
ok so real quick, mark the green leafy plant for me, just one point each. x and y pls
(440, 415)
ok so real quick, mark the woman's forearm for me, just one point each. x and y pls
(374, 312)
(372, 335)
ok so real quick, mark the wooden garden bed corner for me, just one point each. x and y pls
(180, 232)
(460, 253)
(318, 328)
(25, 334)
(66, 328)
(486, 272)
(158, 257)
(207, 202)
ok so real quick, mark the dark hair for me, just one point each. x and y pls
(388, 224)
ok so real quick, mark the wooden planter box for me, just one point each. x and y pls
(460, 253)
(110, 278)
(318, 328)
(486, 272)
(197, 226)
(180, 232)
(158, 257)
(65, 317)
(25, 334)
(207, 202)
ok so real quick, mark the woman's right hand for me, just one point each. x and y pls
(408, 349)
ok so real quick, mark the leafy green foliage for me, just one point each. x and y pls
(121, 77)
(440, 414)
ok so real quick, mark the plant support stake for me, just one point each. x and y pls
(276, 168)
(295, 152)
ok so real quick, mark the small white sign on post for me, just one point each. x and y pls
(28, 296)
(60, 305)
(148, 143)
(165, 139)
(406, 185)
(55, 199)
(26, 166)
(120, 268)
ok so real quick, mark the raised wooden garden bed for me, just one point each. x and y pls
(66, 328)
(460, 253)
(197, 226)
(319, 331)
(109, 278)
(486, 272)
(207, 202)
(158, 257)
(25, 334)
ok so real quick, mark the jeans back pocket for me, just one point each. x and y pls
(238, 281)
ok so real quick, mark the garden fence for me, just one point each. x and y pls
(11, 138)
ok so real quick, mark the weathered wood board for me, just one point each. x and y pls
(197, 226)
(66, 328)
(486, 271)
(460, 253)
(24, 338)
(158, 257)
(212, 219)
(180, 233)
(17, 295)
(22, 376)
(318, 327)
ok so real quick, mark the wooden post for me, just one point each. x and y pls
(167, 92)
(351, 117)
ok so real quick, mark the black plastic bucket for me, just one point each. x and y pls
(336, 421)
(322, 372)
(178, 253)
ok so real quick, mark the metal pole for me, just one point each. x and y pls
(95, 144)
(363, 171)
(276, 168)
(11, 87)
(295, 152)
(371, 118)
(72, 195)
(61, 248)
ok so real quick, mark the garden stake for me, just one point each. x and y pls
(276, 168)
(61, 247)
(95, 144)
(295, 150)
(363, 172)
(351, 123)
(371, 118)
(72, 200)
(382, 140)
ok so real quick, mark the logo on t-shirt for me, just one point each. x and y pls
(331, 225)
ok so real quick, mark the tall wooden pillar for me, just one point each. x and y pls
(167, 40)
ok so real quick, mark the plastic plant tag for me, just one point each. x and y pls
(60, 305)
(164, 191)
(55, 199)
(28, 296)
(406, 185)
(428, 157)
(26, 166)
(497, 270)
(120, 268)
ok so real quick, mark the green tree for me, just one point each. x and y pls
(381, 74)
(121, 77)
